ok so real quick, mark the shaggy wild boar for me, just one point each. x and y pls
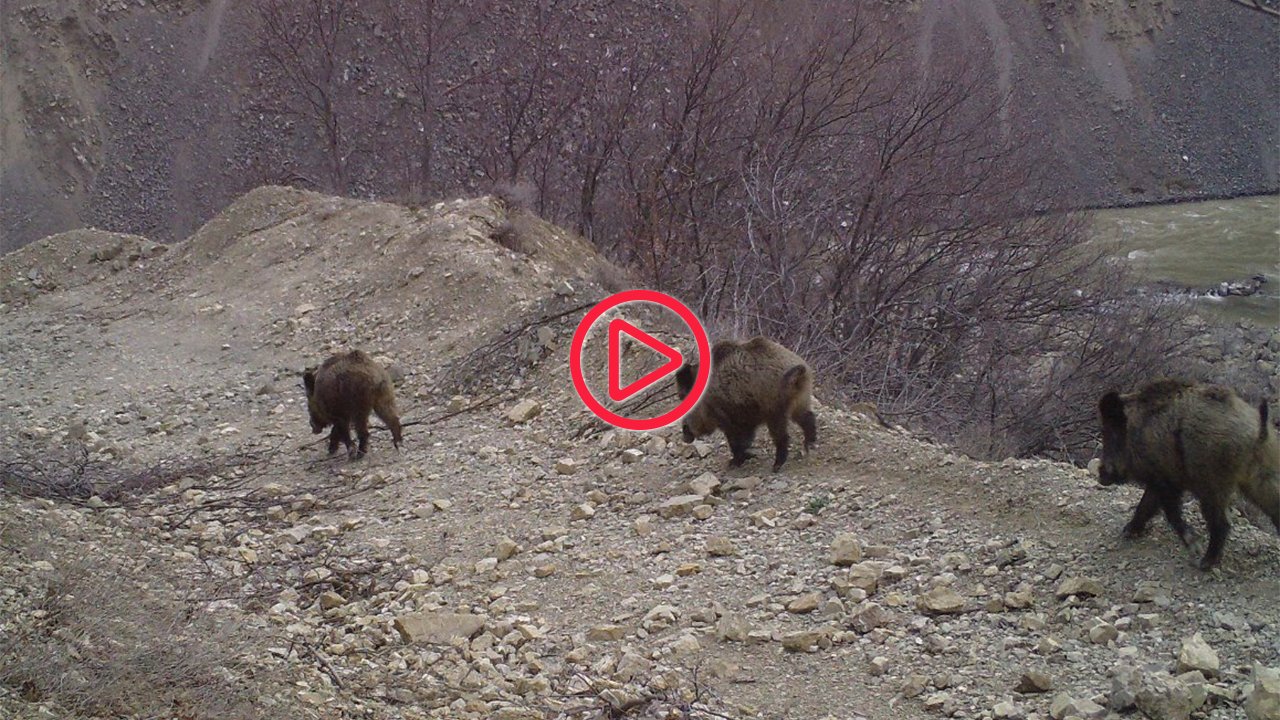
(754, 383)
(343, 391)
(1173, 437)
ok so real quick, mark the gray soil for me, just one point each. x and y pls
(520, 563)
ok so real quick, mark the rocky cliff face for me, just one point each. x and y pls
(1152, 101)
(137, 118)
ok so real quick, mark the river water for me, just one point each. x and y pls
(1201, 244)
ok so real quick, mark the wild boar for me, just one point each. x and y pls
(342, 392)
(753, 383)
(1173, 437)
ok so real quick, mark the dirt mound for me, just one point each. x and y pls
(68, 260)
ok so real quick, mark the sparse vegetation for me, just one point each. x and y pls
(794, 176)
(817, 503)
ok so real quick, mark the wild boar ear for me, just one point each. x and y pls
(309, 380)
(1111, 408)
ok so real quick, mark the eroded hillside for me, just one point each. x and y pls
(145, 117)
(516, 559)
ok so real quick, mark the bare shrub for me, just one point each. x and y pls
(798, 174)
(72, 473)
(893, 226)
(99, 642)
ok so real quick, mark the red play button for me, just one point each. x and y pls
(617, 392)
(617, 327)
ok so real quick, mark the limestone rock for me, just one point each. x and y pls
(845, 550)
(1082, 586)
(437, 627)
(1034, 681)
(804, 641)
(1263, 700)
(524, 411)
(704, 485)
(606, 633)
(1162, 697)
(1063, 706)
(732, 627)
(720, 546)
(1197, 655)
(678, 505)
(806, 603)
(940, 601)
(506, 549)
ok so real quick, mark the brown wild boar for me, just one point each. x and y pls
(753, 383)
(1173, 437)
(343, 391)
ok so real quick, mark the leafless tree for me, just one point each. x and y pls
(306, 42)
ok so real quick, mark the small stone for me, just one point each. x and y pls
(1163, 697)
(1101, 633)
(632, 455)
(1034, 681)
(937, 702)
(732, 627)
(643, 525)
(845, 550)
(1063, 706)
(802, 641)
(506, 549)
(1263, 700)
(679, 505)
(543, 571)
(582, 511)
(866, 576)
(524, 411)
(687, 569)
(438, 628)
(806, 603)
(704, 485)
(247, 554)
(1197, 655)
(1124, 689)
(566, 466)
(1006, 710)
(879, 665)
(1018, 600)
(329, 600)
(940, 601)
(702, 512)
(914, 685)
(1082, 586)
(868, 616)
(720, 546)
(606, 633)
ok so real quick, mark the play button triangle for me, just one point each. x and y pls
(620, 393)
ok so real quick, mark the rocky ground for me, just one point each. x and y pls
(202, 558)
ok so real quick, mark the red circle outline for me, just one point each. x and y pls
(657, 298)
